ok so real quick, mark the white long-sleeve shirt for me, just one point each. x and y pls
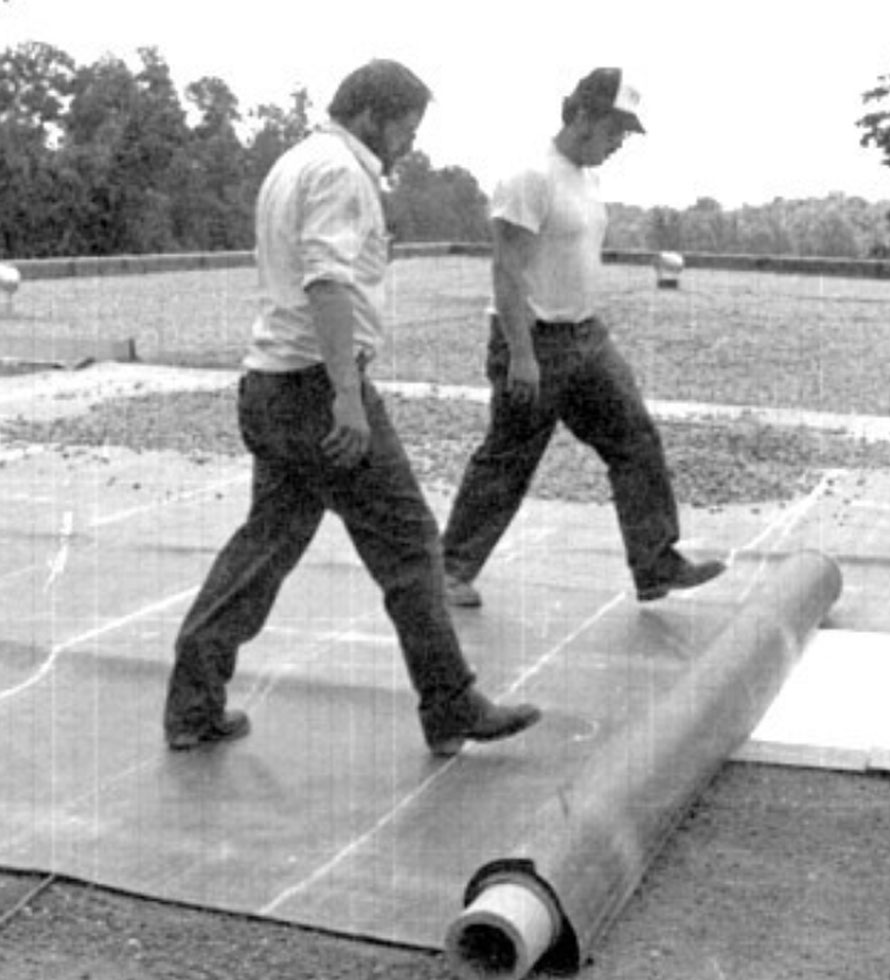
(319, 217)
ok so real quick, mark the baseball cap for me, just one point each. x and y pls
(607, 90)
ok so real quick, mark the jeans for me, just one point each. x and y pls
(587, 385)
(283, 419)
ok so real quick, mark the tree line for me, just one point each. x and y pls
(836, 227)
(105, 159)
(102, 159)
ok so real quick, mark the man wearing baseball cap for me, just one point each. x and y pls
(551, 359)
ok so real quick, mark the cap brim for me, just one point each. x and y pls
(631, 121)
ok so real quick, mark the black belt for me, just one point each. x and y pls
(362, 360)
(565, 325)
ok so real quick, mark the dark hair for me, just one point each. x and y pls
(387, 88)
(594, 95)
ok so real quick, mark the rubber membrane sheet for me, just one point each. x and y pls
(331, 813)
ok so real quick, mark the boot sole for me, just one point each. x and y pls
(185, 741)
(660, 591)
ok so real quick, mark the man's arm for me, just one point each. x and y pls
(513, 251)
(332, 314)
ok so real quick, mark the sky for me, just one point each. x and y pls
(742, 102)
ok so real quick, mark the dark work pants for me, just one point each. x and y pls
(283, 419)
(586, 384)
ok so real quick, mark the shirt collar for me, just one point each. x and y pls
(368, 159)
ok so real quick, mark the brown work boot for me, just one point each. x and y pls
(673, 571)
(472, 716)
(461, 594)
(232, 725)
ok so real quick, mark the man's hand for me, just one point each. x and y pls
(348, 441)
(514, 251)
(524, 378)
(350, 437)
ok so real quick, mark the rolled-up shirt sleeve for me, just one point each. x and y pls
(333, 227)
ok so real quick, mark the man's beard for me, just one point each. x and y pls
(375, 141)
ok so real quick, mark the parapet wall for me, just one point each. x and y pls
(793, 264)
(125, 265)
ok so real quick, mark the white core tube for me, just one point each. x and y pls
(503, 933)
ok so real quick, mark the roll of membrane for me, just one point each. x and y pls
(588, 846)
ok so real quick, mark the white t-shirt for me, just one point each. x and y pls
(319, 216)
(559, 202)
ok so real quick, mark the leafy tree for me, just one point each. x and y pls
(665, 230)
(35, 87)
(216, 103)
(876, 124)
(705, 227)
(408, 197)
(124, 134)
(220, 213)
(159, 114)
(822, 228)
(273, 131)
(153, 139)
(467, 202)
(104, 95)
(880, 246)
(628, 227)
(767, 229)
(425, 204)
